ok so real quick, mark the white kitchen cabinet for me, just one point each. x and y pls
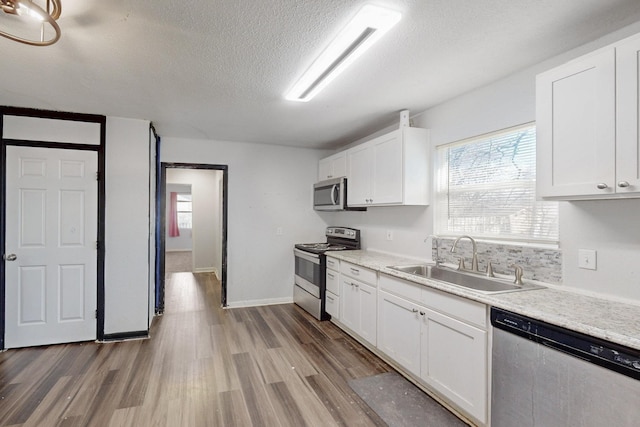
(440, 339)
(358, 301)
(454, 361)
(587, 126)
(399, 330)
(332, 305)
(392, 169)
(333, 166)
(332, 296)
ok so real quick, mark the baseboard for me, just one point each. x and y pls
(179, 250)
(259, 302)
(124, 336)
(205, 270)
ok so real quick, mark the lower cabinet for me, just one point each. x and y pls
(399, 330)
(441, 348)
(358, 308)
(454, 361)
(332, 297)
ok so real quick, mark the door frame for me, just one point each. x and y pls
(100, 149)
(161, 219)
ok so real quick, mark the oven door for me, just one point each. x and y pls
(308, 272)
(308, 291)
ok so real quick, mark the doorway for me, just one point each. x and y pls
(208, 210)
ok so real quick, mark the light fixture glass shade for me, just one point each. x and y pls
(28, 22)
(367, 27)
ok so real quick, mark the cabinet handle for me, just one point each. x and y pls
(331, 275)
(422, 313)
(356, 285)
(329, 298)
(355, 271)
(602, 186)
(623, 184)
(413, 310)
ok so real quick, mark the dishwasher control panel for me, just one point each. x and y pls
(600, 352)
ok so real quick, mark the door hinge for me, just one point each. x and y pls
(95, 314)
(97, 244)
(97, 176)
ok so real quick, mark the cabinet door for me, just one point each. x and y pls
(628, 116)
(349, 304)
(359, 175)
(454, 362)
(333, 281)
(339, 165)
(332, 305)
(399, 331)
(386, 182)
(368, 312)
(324, 169)
(575, 118)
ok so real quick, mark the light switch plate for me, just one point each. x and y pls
(587, 259)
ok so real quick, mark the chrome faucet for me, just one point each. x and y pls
(474, 258)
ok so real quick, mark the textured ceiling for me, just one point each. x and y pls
(218, 69)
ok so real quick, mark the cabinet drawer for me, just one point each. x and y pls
(461, 308)
(357, 272)
(332, 304)
(333, 264)
(333, 281)
(401, 288)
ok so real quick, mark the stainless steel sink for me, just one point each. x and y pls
(465, 280)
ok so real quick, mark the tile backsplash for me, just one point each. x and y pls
(544, 265)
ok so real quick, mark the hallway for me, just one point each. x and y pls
(203, 366)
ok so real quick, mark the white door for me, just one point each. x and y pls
(51, 231)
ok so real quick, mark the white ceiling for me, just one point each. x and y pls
(218, 69)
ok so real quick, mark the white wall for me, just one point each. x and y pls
(207, 229)
(127, 226)
(269, 187)
(183, 242)
(610, 227)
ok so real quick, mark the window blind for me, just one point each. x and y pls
(485, 187)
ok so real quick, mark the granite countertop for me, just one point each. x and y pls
(609, 320)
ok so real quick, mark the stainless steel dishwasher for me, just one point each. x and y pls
(546, 376)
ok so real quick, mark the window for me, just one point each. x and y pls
(184, 211)
(485, 187)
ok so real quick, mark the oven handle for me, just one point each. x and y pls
(307, 256)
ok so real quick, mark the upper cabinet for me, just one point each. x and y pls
(587, 126)
(332, 167)
(389, 170)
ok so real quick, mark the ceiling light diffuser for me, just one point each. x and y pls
(371, 23)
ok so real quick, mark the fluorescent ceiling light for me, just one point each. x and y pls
(371, 23)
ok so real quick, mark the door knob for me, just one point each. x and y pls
(10, 257)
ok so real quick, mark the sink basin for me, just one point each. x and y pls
(466, 280)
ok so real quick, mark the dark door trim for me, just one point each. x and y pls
(161, 216)
(100, 149)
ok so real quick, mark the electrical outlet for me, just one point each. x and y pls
(389, 235)
(587, 259)
(279, 231)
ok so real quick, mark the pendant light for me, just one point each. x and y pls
(22, 13)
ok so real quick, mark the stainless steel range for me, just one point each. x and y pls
(310, 268)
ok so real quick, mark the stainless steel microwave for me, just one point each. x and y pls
(331, 195)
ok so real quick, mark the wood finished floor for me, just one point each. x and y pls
(203, 366)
